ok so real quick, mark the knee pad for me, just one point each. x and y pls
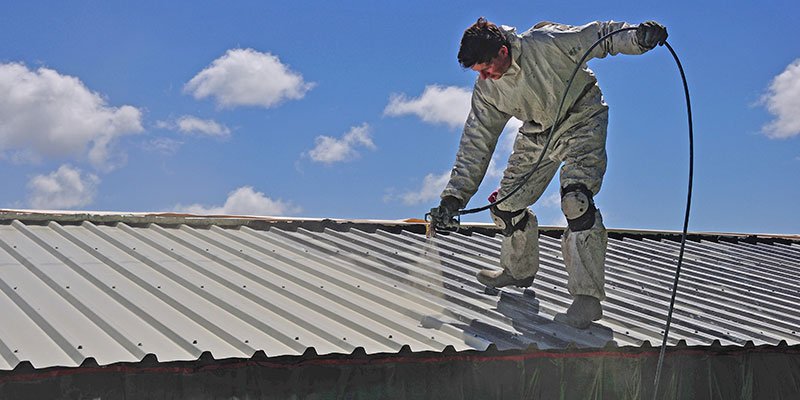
(577, 203)
(506, 220)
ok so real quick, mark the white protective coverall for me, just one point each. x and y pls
(543, 59)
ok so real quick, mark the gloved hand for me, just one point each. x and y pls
(651, 33)
(443, 217)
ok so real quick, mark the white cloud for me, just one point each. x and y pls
(165, 146)
(244, 201)
(193, 125)
(503, 150)
(64, 188)
(551, 200)
(245, 77)
(432, 186)
(329, 150)
(558, 220)
(783, 101)
(437, 105)
(46, 114)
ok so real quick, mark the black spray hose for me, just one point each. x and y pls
(688, 199)
(685, 222)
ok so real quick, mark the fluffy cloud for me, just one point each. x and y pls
(557, 220)
(192, 125)
(548, 209)
(164, 146)
(329, 150)
(500, 157)
(244, 201)
(46, 114)
(66, 187)
(432, 186)
(783, 101)
(437, 105)
(245, 77)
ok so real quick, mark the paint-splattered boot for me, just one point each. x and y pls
(582, 312)
(501, 278)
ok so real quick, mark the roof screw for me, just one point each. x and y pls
(194, 341)
(390, 336)
(80, 347)
(140, 345)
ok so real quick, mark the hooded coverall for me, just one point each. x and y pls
(543, 59)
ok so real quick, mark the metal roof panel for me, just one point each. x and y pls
(117, 289)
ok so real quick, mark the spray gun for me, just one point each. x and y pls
(441, 219)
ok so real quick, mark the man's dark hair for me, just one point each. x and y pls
(480, 43)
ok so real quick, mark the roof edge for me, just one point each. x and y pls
(318, 224)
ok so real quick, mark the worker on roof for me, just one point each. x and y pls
(524, 76)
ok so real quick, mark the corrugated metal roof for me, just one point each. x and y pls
(115, 288)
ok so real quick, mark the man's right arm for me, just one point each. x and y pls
(481, 131)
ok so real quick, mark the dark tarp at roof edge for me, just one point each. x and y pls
(702, 372)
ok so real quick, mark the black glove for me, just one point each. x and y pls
(651, 33)
(443, 217)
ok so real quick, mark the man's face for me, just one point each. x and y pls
(495, 68)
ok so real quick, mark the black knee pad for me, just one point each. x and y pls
(509, 227)
(577, 204)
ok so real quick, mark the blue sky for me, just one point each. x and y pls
(354, 110)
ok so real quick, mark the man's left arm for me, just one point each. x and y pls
(575, 40)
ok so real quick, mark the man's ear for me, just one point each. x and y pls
(503, 51)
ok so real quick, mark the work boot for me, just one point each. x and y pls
(582, 312)
(501, 278)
